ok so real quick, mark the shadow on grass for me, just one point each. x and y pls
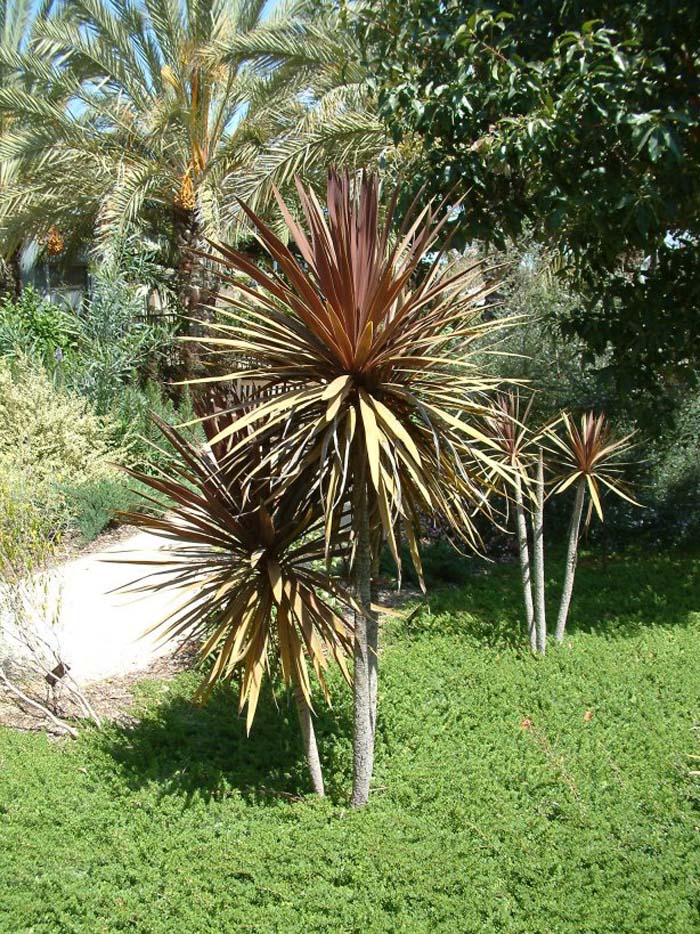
(192, 750)
(617, 597)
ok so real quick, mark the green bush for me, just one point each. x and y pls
(31, 326)
(673, 485)
(47, 431)
(131, 412)
(117, 346)
(95, 505)
(28, 530)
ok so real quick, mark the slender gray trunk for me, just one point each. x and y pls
(365, 671)
(309, 737)
(373, 646)
(571, 558)
(538, 560)
(524, 551)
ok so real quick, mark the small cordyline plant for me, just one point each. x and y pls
(587, 458)
(507, 425)
(367, 337)
(244, 553)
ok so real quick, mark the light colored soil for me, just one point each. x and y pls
(111, 699)
(81, 608)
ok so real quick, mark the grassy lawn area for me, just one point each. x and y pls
(512, 795)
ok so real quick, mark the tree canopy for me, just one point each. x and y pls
(578, 121)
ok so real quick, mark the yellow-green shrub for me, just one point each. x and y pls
(50, 442)
(47, 431)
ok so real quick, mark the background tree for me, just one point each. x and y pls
(153, 116)
(17, 22)
(580, 122)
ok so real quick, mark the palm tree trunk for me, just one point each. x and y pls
(538, 560)
(524, 552)
(571, 558)
(194, 284)
(309, 737)
(365, 672)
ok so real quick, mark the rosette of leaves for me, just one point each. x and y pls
(591, 459)
(247, 555)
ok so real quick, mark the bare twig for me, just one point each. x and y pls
(61, 724)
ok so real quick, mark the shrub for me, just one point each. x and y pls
(27, 532)
(675, 477)
(142, 443)
(49, 431)
(31, 326)
(117, 345)
(50, 442)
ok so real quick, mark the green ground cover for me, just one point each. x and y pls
(512, 795)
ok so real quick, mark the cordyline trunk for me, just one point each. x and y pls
(538, 560)
(524, 552)
(365, 658)
(373, 643)
(571, 558)
(308, 735)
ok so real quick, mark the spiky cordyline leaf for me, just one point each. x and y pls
(377, 386)
(517, 441)
(590, 455)
(242, 556)
(508, 426)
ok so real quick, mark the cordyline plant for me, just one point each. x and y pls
(378, 403)
(507, 425)
(588, 459)
(244, 553)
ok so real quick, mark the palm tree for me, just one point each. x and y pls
(378, 396)
(243, 553)
(158, 114)
(313, 108)
(18, 19)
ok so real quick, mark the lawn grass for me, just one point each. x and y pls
(512, 795)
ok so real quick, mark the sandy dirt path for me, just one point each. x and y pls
(100, 633)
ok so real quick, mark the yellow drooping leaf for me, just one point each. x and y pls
(372, 439)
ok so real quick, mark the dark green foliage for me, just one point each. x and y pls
(118, 345)
(93, 507)
(30, 326)
(673, 486)
(442, 564)
(481, 822)
(132, 410)
(579, 121)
